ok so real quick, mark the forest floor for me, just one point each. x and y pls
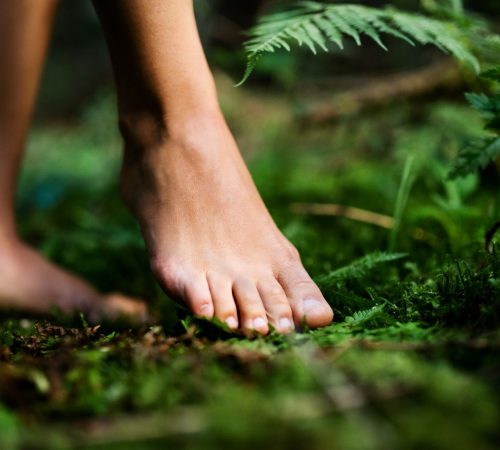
(412, 360)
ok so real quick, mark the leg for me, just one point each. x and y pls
(211, 240)
(25, 27)
(28, 281)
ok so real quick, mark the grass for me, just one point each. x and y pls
(411, 361)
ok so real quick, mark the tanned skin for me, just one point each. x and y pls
(212, 243)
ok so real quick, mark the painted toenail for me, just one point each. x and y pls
(285, 324)
(259, 323)
(311, 305)
(232, 322)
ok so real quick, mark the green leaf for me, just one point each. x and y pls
(488, 106)
(361, 317)
(492, 74)
(475, 156)
(358, 268)
(315, 25)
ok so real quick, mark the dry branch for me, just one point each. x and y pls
(443, 74)
(331, 209)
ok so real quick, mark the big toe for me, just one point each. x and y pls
(317, 312)
(115, 306)
(306, 300)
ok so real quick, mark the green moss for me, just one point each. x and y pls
(411, 361)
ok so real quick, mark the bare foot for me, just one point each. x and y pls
(211, 239)
(28, 282)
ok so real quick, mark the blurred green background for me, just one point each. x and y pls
(412, 360)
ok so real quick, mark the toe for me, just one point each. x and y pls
(223, 301)
(250, 307)
(114, 306)
(276, 304)
(198, 298)
(305, 298)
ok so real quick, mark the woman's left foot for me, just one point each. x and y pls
(211, 240)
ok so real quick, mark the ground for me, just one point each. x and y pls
(410, 362)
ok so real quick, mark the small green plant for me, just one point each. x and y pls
(479, 152)
(358, 268)
(316, 25)
(407, 180)
(469, 40)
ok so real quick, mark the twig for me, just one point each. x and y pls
(332, 209)
(350, 212)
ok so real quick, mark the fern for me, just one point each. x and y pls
(316, 25)
(478, 153)
(358, 268)
(493, 74)
(364, 316)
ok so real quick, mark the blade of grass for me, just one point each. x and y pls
(407, 180)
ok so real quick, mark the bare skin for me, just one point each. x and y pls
(212, 242)
(28, 281)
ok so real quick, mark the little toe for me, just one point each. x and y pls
(222, 297)
(276, 305)
(305, 298)
(198, 298)
(250, 307)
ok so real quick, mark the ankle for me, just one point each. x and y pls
(9, 250)
(153, 145)
(142, 131)
(8, 236)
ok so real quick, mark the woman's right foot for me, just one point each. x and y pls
(30, 283)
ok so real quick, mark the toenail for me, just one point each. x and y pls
(259, 323)
(206, 308)
(232, 322)
(285, 324)
(311, 305)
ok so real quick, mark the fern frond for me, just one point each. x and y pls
(488, 106)
(316, 25)
(477, 155)
(361, 317)
(358, 268)
(492, 74)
